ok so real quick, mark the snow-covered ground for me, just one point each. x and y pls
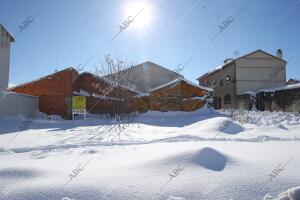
(171, 156)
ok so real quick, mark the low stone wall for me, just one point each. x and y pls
(244, 101)
(287, 100)
(18, 104)
(265, 101)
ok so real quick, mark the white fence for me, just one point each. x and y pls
(17, 104)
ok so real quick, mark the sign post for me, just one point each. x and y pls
(78, 106)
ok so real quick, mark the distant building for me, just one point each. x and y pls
(246, 74)
(146, 76)
(292, 81)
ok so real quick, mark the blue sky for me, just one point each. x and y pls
(69, 32)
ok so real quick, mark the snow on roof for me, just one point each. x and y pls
(234, 59)
(293, 79)
(287, 87)
(20, 94)
(179, 80)
(220, 67)
(195, 98)
(142, 95)
(249, 92)
(44, 77)
(87, 94)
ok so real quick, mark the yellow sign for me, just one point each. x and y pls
(78, 102)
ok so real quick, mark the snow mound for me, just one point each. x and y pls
(17, 173)
(264, 118)
(290, 194)
(210, 159)
(231, 128)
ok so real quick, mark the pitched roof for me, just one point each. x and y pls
(12, 39)
(159, 66)
(221, 67)
(53, 74)
(146, 76)
(177, 81)
(293, 79)
(141, 65)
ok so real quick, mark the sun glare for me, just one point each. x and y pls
(140, 11)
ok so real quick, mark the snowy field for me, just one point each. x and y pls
(170, 156)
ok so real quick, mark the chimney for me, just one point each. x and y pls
(228, 60)
(279, 53)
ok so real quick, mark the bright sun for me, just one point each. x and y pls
(140, 11)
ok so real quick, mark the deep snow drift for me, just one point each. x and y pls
(174, 155)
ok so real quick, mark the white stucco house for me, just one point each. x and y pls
(146, 76)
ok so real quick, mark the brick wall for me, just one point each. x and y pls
(54, 92)
(177, 97)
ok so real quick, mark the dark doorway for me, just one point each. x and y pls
(219, 103)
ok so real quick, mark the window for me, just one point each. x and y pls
(221, 82)
(227, 99)
(227, 79)
(214, 84)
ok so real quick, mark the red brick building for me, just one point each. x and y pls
(177, 95)
(103, 95)
(55, 93)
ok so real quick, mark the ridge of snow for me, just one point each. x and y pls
(41, 78)
(179, 80)
(287, 87)
(87, 94)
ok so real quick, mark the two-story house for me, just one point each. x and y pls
(246, 74)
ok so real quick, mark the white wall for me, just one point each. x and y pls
(4, 58)
(147, 76)
(12, 103)
(258, 71)
(18, 104)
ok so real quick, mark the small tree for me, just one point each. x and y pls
(121, 76)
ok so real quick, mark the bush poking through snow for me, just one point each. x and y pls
(290, 194)
(263, 118)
